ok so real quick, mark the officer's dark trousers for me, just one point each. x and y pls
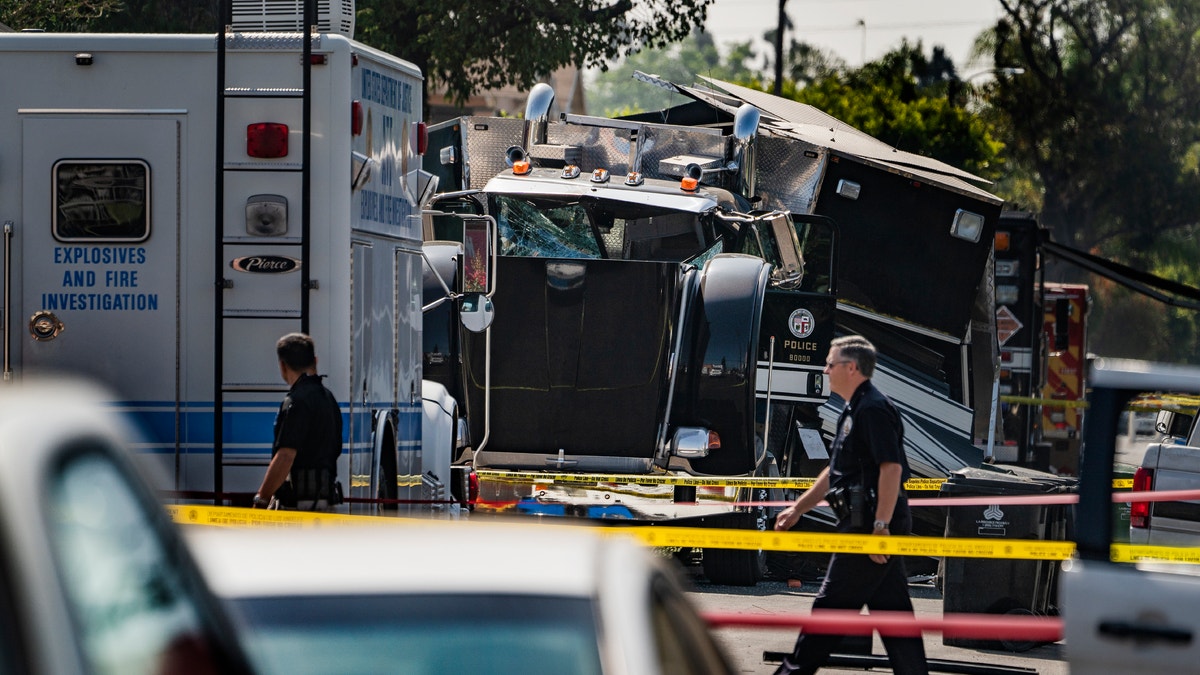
(851, 582)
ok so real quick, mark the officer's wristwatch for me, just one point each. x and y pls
(260, 503)
(881, 525)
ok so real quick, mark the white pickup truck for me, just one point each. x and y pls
(1172, 464)
(1128, 617)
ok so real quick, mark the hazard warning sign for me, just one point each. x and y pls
(1007, 324)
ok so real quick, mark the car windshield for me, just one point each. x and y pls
(428, 633)
(572, 227)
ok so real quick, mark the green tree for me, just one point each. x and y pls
(1106, 118)
(112, 16)
(465, 46)
(807, 64)
(163, 16)
(1105, 114)
(57, 15)
(615, 91)
(903, 99)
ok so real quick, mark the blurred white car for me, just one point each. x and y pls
(94, 576)
(426, 599)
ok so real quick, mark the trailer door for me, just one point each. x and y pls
(98, 251)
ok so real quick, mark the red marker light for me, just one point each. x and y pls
(356, 118)
(267, 140)
(422, 138)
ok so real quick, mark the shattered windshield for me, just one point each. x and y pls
(549, 229)
(573, 227)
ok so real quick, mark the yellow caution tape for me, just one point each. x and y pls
(232, 516)
(701, 537)
(910, 485)
(1045, 402)
(1183, 404)
(812, 542)
(1129, 553)
(661, 479)
(364, 480)
(923, 484)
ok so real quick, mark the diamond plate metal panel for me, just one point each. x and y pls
(270, 41)
(787, 177)
(603, 148)
(488, 138)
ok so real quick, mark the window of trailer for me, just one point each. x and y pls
(101, 200)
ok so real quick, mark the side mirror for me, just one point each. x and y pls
(1173, 424)
(477, 256)
(477, 312)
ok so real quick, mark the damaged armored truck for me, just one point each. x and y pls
(634, 313)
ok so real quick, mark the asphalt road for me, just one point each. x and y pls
(746, 646)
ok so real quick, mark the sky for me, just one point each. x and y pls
(835, 25)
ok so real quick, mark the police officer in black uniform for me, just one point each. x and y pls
(308, 435)
(864, 483)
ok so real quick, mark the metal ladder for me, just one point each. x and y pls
(226, 393)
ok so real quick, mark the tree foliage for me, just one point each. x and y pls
(112, 16)
(902, 99)
(1107, 117)
(465, 46)
(615, 91)
(164, 16)
(462, 46)
(906, 99)
(57, 15)
(1106, 114)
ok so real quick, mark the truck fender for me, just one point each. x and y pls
(440, 341)
(438, 430)
(725, 323)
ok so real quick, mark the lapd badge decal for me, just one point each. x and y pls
(802, 323)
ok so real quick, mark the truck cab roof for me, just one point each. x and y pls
(656, 192)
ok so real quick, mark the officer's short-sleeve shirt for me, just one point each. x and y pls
(310, 421)
(870, 433)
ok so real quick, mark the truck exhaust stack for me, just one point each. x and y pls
(745, 130)
(537, 114)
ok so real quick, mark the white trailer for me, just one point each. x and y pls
(172, 204)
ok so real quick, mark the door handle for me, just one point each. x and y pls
(1145, 632)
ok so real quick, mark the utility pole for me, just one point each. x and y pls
(862, 23)
(779, 49)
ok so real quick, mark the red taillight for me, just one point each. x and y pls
(267, 140)
(356, 117)
(422, 138)
(1139, 512)
(472, 488)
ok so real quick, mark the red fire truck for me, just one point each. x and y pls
(1064, 331)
